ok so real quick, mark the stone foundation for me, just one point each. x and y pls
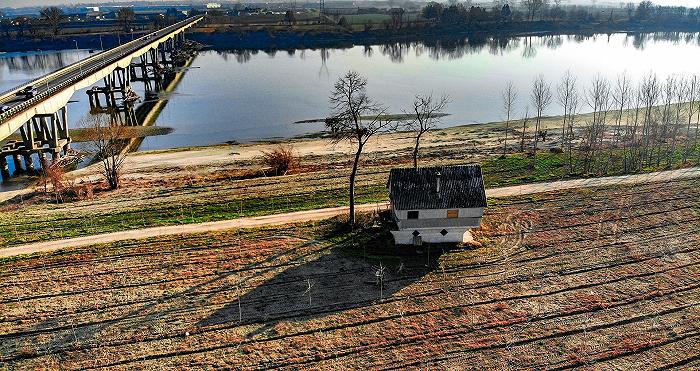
(433, 235)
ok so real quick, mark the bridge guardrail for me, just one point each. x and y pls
(71, 67)
(132, 45)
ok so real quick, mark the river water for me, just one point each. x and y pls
(253, 95)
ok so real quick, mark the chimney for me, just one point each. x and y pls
(437, 177)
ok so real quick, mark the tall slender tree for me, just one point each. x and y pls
(565, 91)
(427, 111)
(509, 96)
(541, 98)
(692, 99)
(621, 98)
(598, 99)
(355, 118)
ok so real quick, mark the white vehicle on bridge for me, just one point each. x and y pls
(4, 109)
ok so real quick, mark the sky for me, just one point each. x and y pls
(24, 3)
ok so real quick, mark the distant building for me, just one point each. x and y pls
(213, 5)
(436, 204)
(93, 13)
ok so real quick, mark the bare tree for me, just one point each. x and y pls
(621, 97)
(650, 91)
(541, 97)
(598, 99)
(692, 99)
(427, 112)
(355, 118)
(125, 17)
(509, 95)
(681, 87)
(633, 131)
(662, 132)
(574, 106)
(106, 143)
(53, 16)
(533, 6)
(565, 93)
(526, 119)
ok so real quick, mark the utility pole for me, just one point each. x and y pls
(80, 61)
(321, 10)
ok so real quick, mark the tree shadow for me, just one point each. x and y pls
(340, 273)
(345, 276)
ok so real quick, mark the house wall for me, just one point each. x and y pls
(438, 223)
(431, 222)
(432, 235)
(476, 212)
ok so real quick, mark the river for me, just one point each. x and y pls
(254, 95)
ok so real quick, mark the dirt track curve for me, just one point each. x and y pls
(319, 214)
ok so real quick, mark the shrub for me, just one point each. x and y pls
(53, 174)
(280, 160)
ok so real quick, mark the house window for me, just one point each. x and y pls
(413, 214)
(453, 213)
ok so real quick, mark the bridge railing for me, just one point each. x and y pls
(107, 57)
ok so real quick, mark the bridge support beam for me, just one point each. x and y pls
(150, 71)
(41, 135)
(4, 168)
(42, 120)
(119, 98)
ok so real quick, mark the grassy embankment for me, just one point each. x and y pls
(322, 182)
(221, 200)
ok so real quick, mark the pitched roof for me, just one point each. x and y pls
(460, 187)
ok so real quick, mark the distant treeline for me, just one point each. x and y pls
(543, 10)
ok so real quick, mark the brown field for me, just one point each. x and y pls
(591, 278)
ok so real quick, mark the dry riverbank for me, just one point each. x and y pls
(208, 184)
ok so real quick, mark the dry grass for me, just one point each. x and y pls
(280, 160)
(599, 279)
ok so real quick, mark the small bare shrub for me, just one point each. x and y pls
(105, 140)
(53, 175)
(280, 160)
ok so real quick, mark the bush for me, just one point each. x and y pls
(280, 160)
(53, 174)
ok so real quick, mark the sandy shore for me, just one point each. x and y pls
(476, 140)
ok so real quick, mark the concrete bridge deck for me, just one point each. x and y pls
(54, 90)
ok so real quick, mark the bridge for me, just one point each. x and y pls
(42, 117)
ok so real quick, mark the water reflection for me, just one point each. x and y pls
(247, 95)
(450, 48)
(34, 62)
(19, 67)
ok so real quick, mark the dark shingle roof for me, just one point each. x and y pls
(460, 187)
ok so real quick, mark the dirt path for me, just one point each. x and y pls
(319, 214)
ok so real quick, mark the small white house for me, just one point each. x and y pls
(436, 204)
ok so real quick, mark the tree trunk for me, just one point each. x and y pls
(505, 139)
(537, 133)
(415, 152)
(522, 138)
(352, 183)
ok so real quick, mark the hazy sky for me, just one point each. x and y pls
(23, 3)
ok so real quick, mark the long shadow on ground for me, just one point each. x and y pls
(343, 277)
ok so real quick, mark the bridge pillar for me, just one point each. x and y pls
(4, 168)
(42, 159)
(148, 70)
(19, 169)
(119, 97)
(29, 164)
(63, 128)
